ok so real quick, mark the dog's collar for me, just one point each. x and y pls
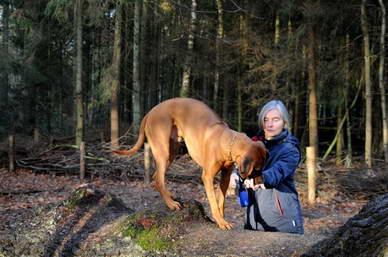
(231, 144)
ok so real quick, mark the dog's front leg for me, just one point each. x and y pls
(208, 180)
(224, 184)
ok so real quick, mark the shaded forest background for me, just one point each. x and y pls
(79, 67)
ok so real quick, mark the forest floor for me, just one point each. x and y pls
(341, 194)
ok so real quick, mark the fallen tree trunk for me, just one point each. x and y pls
(364, 235)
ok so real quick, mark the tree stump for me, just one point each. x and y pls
(364, 235)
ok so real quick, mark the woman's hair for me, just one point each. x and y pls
(274, 104)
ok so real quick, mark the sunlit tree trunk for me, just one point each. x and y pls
(116, 68)
(187, 67)
(312, 88)
(79, 133)
(368, 87)
(382, 81)
(136, 89)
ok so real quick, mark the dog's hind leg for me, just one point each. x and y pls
(162, 156)
(160, 184)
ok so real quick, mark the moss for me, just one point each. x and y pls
(152, 238)
(149, 239)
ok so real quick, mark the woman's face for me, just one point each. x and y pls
(273, 124)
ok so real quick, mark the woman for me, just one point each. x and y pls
(274, 205)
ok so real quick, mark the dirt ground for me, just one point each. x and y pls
(340, 196)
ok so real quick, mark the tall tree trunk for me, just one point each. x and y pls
(187, 67)
(79, 133)
(368, 87)
(145, 65)
(348, 159)
(116, 71)
(4, 90)
(276, 43)
(240, 81)
(312, 89)
(219, 41)
(155, 57)
(136, 89)
(381, 81)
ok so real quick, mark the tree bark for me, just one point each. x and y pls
(116, 71)
(187, 67)
(79, 133)
(136, 90)
(368, 87)
(312, 89)
(276, 43)
(348, 159)
(4, 89)
(219, 40)
(340, 140)
(311, 164)
(382, 81)
(244, 49)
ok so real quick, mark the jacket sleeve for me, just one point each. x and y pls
(282, 168)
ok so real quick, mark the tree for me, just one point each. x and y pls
(116, 74)
(382, 82)
(219, 41)
(136, 88)
(187, 66)
(79, 133)
(368, 86)
(312, 87)
(4, 90)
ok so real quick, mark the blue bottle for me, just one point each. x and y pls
(243, 195)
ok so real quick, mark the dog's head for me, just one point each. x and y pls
(251, 156)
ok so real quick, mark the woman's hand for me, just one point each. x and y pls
(249, 183)
(258, 186)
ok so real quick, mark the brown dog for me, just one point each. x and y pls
(209, 141)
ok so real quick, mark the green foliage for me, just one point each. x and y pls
(59, 9)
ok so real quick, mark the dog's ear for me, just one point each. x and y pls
(247, 165)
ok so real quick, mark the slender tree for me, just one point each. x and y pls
(136, 89)
(368, 86)
(382, 81)
(116, 74)
(187, 67)
(340, 141)
(4, 89)
(240, 81)
(349, 150)
(219, 42)
(79, 133)
(312, 87)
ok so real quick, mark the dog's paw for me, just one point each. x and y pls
(173, 205)
(225, 225)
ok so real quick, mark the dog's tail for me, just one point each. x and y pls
(139, 142)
